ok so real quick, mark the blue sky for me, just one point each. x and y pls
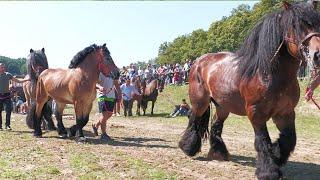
(133, 31)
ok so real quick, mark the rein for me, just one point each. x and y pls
(312, 99)
(315, 103)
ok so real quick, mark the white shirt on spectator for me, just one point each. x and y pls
(127, 91)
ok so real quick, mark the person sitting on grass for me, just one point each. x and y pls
(181, 109)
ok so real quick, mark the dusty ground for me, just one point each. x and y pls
(144, 148)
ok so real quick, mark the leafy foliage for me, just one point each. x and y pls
(15, 66)
(224, 35)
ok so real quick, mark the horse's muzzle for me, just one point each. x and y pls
(316, 59)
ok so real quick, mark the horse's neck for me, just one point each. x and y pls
(151, 88)
(89, 68)
(287, 66)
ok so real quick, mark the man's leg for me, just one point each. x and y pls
(97, 123)
(8, 109)
(176, 108)
(106, 115)
(130, 103)
(1, 109)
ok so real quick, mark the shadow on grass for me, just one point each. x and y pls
(134, 142)
(156, 115)
(292, 170)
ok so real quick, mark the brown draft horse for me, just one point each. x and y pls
(150, 93)
(258, 81)
(36, 63)
(76, 86)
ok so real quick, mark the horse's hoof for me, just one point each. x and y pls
(52, 128)
(63, 136)
(81, 140)
(37, 135)
(218, 156)
(70, 133)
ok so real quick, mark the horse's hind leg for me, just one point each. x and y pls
(47, 113)
(138, 108)
(152, 106)
(287, 140)
(36, 115)
(218, 150)
(58, 113)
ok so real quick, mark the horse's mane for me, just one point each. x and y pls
(80, 56)
(262, 43)
(36, 57)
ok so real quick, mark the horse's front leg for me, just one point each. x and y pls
(287, 138)
(152, 106)
(267, 168)
(82, 110)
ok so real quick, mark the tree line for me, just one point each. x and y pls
(224, 35)
(14, 66)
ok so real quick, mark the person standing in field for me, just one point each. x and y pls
(5, 95)
(127, 90)
(106, 101)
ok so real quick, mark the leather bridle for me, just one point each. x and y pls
(302, 45)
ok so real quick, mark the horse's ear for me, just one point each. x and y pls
(104, 45)
(31, 50)
(286, 5)
(42, 50)
(313, 3)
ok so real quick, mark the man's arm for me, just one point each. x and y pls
(20, 80)
(315, 82)
(313, 85)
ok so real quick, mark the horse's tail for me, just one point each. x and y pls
(197, 130)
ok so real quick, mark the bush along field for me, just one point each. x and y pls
(145, 147)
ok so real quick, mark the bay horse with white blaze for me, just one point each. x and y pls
(76, 86)
(258, 81)
(36, 63)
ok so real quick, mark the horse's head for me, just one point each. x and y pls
(36, 63)
(143, 85)
(106, 64)
(301, 22)
(161, 83)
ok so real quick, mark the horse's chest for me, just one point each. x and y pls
(285, 101)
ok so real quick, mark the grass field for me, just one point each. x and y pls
(146, 148)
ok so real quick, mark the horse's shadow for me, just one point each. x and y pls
(292, 170)
(156, 115)
(130, 142)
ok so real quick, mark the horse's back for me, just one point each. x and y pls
(57, 83)
(218, 74)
